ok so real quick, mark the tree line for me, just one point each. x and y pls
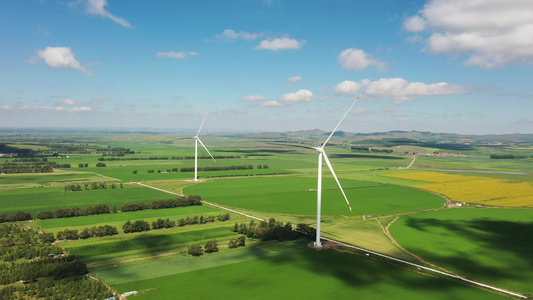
(368, 149)
(94, 186)
(165, 158)
(219, 168)
(69, 212)
(267, 230)
(506, 156)
(142, 225)
(95, 231)
(33, 166)
(190, 200)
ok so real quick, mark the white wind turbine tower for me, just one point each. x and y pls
(322, 154)
(196, 140)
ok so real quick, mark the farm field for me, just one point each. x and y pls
(297, 195)
(488, 244)
(377, 184)
(36, 199)
(305, 273)
(475, 189)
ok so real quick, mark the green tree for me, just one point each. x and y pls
(195, 250)
(211, 246)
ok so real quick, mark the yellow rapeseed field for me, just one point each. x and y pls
(475, 189)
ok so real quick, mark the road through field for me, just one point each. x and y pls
(380, 255)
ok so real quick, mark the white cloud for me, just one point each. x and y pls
(271, 104)
(28, 108)
(179, 55)
(60, 58)
(492, 32)
(257, 97)
(232, 35)
(357, 59)
(399, 89)
(69, 102)
(295, 79)
(347, 87)
(301, 96)
(281, 44)
(96, 7)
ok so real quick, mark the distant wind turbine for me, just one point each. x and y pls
(197, 139)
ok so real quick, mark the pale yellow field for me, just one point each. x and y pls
(475, 189)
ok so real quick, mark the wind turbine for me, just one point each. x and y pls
(322, 155)
(197, 139)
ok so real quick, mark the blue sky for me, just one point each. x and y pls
(279, 65)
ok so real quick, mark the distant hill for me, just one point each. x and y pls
(398, 134)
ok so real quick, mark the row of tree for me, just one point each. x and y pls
(164, 158)
(30, 167)
(267, 230)
(506, 156)
(142, 225)
(69, 212)
(191, 200)
(219, 168)
(94, 186)
(95, 231)
(14, 216)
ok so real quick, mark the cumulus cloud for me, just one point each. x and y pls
(357, 59)
(232, 35)
(347, 87)
(301, 96)
(179, 55)
(281, 44)
(97, 7)
(398, 89)
(295, 79)
(60, 58)
(257, 97)
(492, 32)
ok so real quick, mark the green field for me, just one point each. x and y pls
(297, 195)
(35, 199)
(296, 275)
(490, 245)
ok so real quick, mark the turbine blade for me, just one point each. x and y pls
(336, 179)
(345, 114)
(205, 148)
(202, 125)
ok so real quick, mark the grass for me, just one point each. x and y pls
(294, 195)
(145, 244)
(35, 199)
(490, 245)
(118, 219)
(58, 178)
(298, 275)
